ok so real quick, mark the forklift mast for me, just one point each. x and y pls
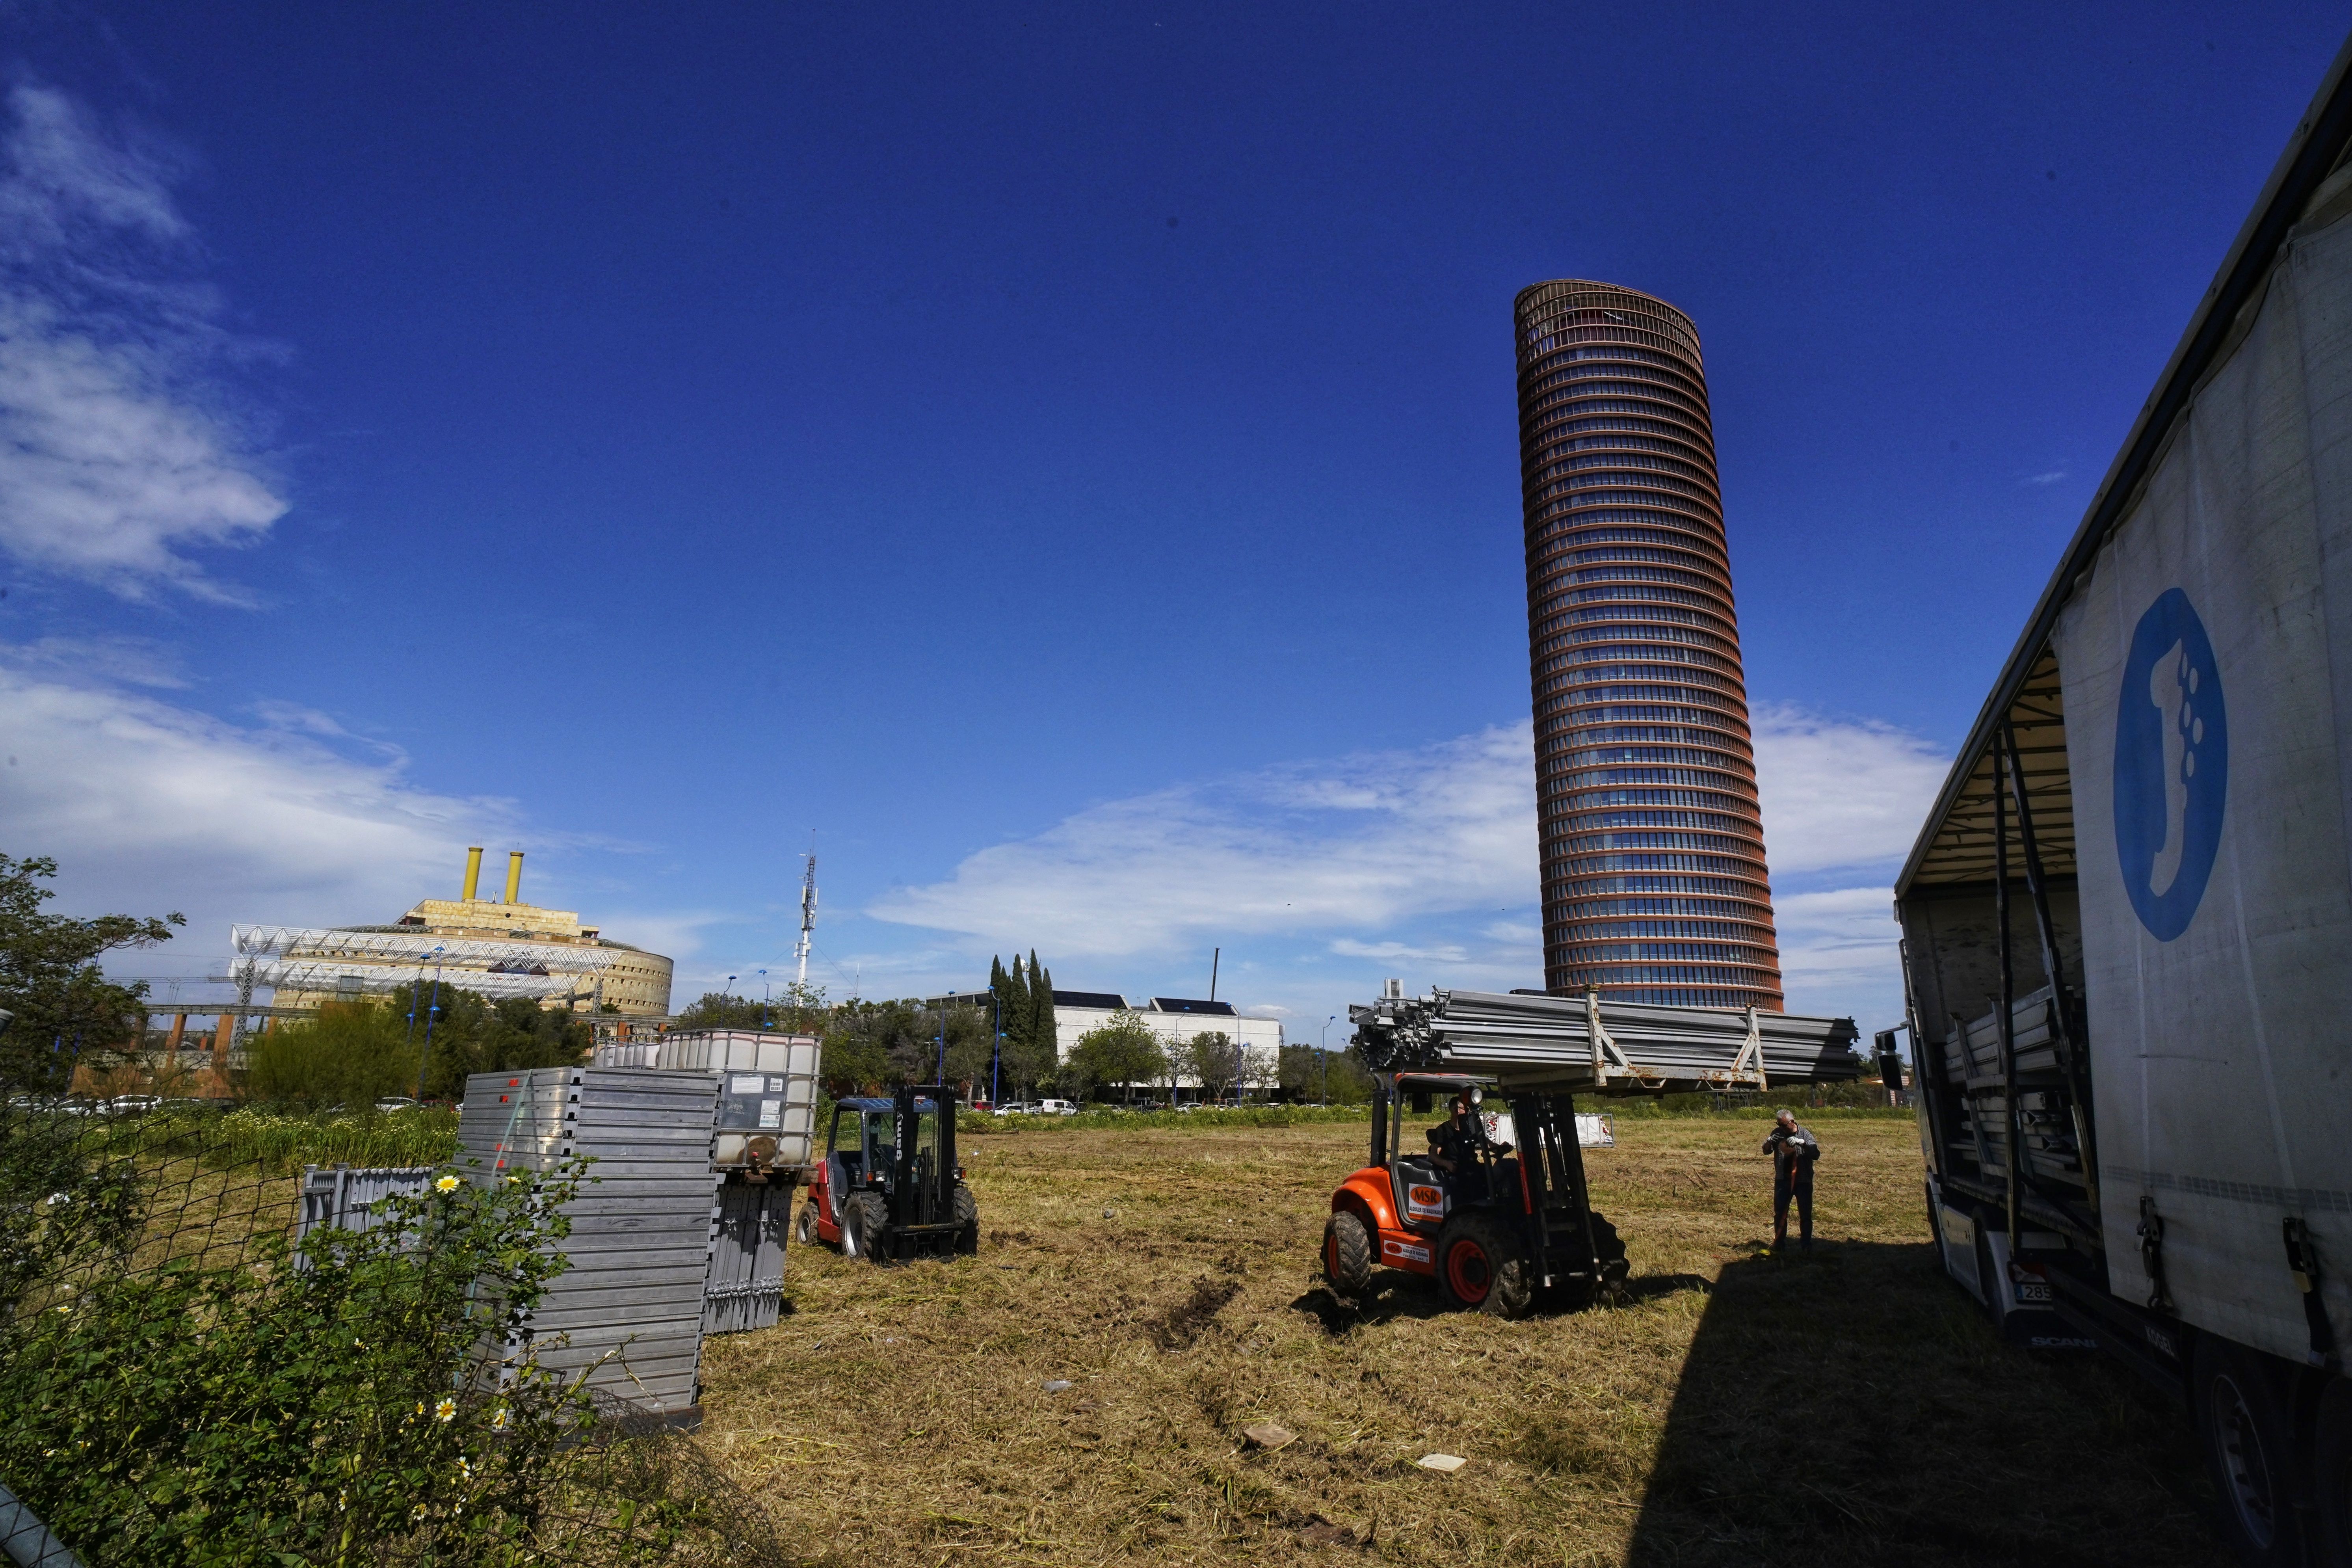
(922, 1185)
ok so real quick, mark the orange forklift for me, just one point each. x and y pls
(1510, 1226)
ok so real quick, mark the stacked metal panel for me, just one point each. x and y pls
(628, 1311)
(1549, 1042)
(2034, 1019)
(745, 1290)
(344, 1198)
(764, 1133)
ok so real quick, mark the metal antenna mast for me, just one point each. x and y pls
(808, 916)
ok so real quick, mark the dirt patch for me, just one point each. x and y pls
(1181, 1325)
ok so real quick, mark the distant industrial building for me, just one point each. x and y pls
(1654, 887)
(495, 947)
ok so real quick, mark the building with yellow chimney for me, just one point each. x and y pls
(498, 948)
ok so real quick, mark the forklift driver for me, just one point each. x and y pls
(1454, 1149)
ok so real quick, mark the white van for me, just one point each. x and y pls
(1055, 1107)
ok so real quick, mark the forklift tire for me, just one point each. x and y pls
(967, 1219)
(1481, 1269)
(804, 1229)
(1347, 1255)
(865, 1226)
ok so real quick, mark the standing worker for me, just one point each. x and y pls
(1793, 1152)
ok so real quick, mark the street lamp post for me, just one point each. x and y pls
(996, 1062)
(1324, 1052)
(431, 1008)
(767, 1017)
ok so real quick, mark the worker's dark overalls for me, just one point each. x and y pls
(1458, 1140)
(1793, 1152)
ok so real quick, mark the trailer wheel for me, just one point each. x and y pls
(1480, 1269)
(2332, 1471)
(865, 1226)
(2249, 1445)
(967, 1219)
(804, 1228)
(1348, 1254)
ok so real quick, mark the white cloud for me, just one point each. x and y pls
(1401, 861)
(133, 661)
(146, 804)
(1357, 845)
(1841, 791)
(118, 454)
(1839, 955)
(1390, 952)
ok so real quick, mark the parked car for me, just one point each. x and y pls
(1013, 1108)
(130, 1104)
(1054, 1107)
(397, 1102)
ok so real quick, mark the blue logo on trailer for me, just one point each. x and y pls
(2172, 765)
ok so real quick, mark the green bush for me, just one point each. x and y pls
(352, 1053)
(346, 1406)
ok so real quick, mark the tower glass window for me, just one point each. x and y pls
(1645, 769)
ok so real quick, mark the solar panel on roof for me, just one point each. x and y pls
(1187, 1005)
(1109, 999)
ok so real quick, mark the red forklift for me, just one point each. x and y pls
(889, 1187)
(1511, 1227)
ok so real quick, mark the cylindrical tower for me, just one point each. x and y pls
(1653, 879)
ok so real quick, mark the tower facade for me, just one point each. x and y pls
(1654, 887)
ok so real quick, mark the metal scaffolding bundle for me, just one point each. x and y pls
(1586, 1044)
(309, 977)
(314, 942)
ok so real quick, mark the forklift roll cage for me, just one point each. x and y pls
(1536, 1189)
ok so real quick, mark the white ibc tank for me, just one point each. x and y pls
(767, 1091)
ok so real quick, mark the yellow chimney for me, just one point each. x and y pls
(473, 872)
(514, 875)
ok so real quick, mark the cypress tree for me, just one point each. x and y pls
(1042, 1042)
(1013, 1005)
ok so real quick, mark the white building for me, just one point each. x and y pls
(1175, 1019)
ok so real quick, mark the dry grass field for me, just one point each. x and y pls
(1844, 1406)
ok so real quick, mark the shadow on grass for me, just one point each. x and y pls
(1393, 1295)
(1849, 1404)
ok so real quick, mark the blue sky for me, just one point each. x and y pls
(1064, 455)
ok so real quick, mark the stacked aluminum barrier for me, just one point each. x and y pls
(1584, 1044)
(628, 1311)
(346, 1199)
(745, 1290)
(764, 1136)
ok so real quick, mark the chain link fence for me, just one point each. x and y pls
(193, 1375)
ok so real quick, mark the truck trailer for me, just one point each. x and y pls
(2126, 925)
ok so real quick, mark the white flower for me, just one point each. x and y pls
(500, 1419)
(447, 1184)
(447, 1409)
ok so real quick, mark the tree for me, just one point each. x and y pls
(49, 978)
(1123, 1051)
(1041, 1045)
(856, 1056)
(1217, 1060)
(349, 1053)
(719, 1010)
(473, 1034)
(1303, 1072)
